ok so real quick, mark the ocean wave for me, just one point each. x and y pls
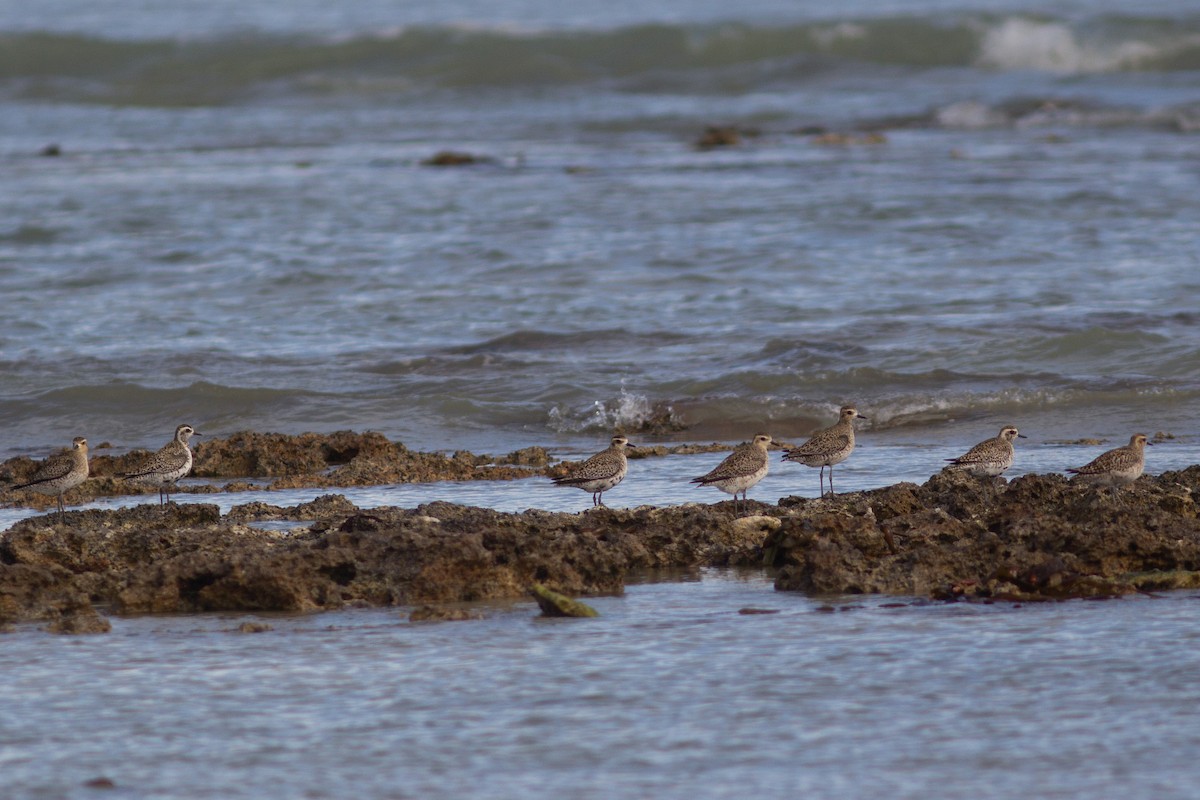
(532, 341)
(731, 416)
(628, 411)
(177, 72)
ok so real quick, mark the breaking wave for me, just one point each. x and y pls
(222, 70)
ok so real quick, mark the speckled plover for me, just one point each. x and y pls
(61, 472)
(601, 472)
(828, 446)
(990, 457)
(169, 464)
(741, 469)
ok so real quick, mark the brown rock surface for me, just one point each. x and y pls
(284, 461)
(1035, 538)
(184, 558)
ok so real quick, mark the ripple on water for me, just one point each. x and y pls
(670, 691)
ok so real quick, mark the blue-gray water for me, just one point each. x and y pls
(239, 233)
(669, 693)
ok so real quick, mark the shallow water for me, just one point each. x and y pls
(239, 232)
(669, 692)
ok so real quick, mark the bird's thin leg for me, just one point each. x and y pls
(831, 480)
(822, 480)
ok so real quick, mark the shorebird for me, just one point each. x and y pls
(1118, 467)
(992, 456)
(741, 469)
(61, 472)
(828, 446)
(601, 472)
(169, 464)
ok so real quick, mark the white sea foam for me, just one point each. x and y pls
(628, 411)
(970, 115)
(1020, 43)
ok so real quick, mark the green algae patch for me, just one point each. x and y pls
(554, 604)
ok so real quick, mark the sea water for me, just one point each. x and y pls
(239, 232)
(670, 692)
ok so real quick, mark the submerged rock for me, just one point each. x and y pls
(554, 604)
(443, 614)
(454, 158)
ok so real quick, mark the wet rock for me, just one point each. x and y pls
(831, 138)
(953, 537)
(1164, 580)
(453, 158)
(661, 420)
(254, 627)
(342, 458)
(443, 614)
(554, 604)
(715, 136)
(188, 558)
(100, 783)
(1038, 537)
(527, 457)
(758, 524)
(78, 618)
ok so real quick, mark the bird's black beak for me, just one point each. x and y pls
(1022, 436)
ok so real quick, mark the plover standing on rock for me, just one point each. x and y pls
(741, 469)
(990, 457)
(1118, 467)
(828, 446)
(601, 472)
(61, 472)
(169, 464)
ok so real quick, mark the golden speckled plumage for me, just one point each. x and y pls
(1118, 467)
(169, 464)
(990, 457)
(601, 472)
(741, 469)
(828, 446)
(61, 472)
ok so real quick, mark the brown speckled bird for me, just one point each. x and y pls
(169, 464)
(601, 472)
(828, 446)
(61, 472)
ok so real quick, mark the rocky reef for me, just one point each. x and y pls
(955, 537)
(1038, 537)
(188, 557)
(249, 460)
